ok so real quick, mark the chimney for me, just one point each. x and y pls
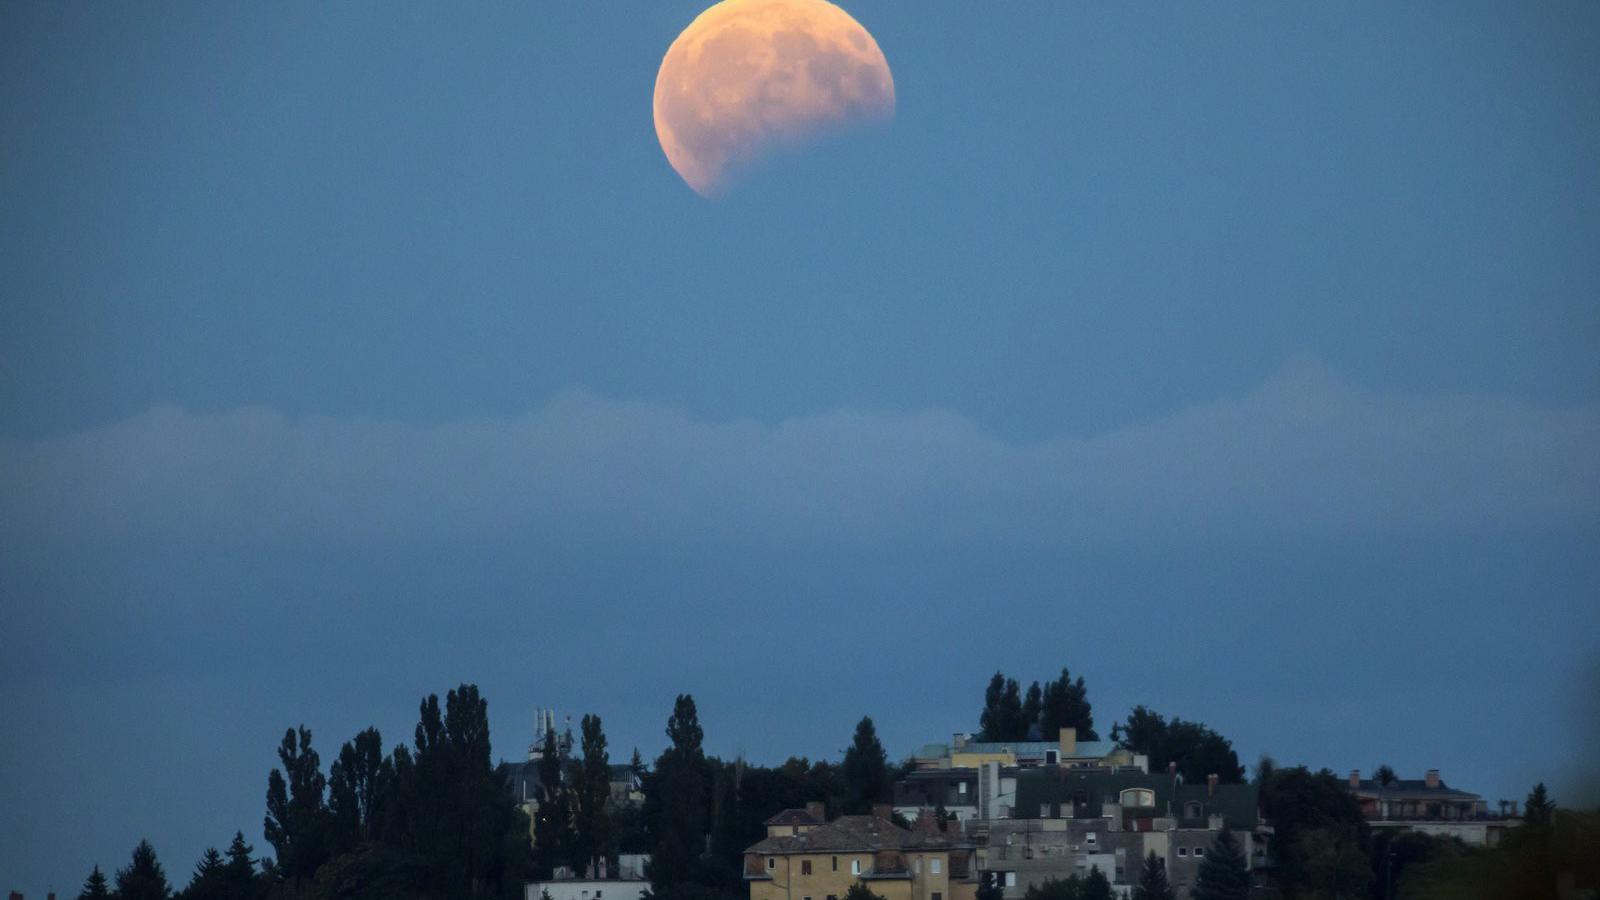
(818, 810)
(1433, 778)
(1069, 742)
(883, 810)
(1355, 779)
(958, 740)
(1211, 784)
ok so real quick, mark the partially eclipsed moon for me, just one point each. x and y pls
(748, 75)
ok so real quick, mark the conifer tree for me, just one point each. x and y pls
(866, 769)
(1096, 886)
(239, 872)
(144, 878)
(1153, 884)
(94, 887)
(1225, 874)
(207, 880)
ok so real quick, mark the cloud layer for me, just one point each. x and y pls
(1302, 453)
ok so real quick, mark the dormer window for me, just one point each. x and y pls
(1193, 810)
(1134, 798)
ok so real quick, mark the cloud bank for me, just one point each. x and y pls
(1302, 453)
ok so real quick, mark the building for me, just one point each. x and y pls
(1430, 806)
(1066, 821)
(804, 857)
(975, 780)
(587, 889)
(1066, 750)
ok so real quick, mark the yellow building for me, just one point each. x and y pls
(806, 858)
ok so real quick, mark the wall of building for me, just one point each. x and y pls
(787, 879)
(959, 760)
(586, 889)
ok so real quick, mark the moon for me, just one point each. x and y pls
(748, 76)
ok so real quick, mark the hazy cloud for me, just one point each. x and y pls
(1304, 452)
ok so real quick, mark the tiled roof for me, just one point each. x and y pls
(1238, 804)
(1085, 749)
(794, 817)
(1413, 787)
(858, 833)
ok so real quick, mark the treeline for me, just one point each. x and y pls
(436, 820)
(432, 820)
(700, 812)
(1010, 714)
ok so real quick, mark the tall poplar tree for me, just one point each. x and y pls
(677, 801)
(592, 826)
(552, 821)
(1065, 704)
(295, 825)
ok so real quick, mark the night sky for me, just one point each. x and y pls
(1242, 359)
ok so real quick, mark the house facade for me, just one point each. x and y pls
(1430, 806)
(1067, 822)
(805, 857)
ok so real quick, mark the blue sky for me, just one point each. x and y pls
(1242, 359)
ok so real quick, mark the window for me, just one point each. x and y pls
(1044, 810)
(855, 867)
(937, 896)
(935, 865)
(1050, 757)
(772, 862)
(1089, 839)
(835, 867)
(1183, 851)
(1199, 851)
(1133, 798)
(1011, 879)
(962, 788)
(805, 869)
(1193, 811)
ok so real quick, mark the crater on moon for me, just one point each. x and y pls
(750, 75)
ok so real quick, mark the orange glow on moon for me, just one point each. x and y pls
(749, 75)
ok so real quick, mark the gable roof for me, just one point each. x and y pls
(1238, 804)
(865, 834)
(1401, 787)
(798, 816)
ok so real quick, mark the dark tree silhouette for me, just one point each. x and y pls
(143, 879)
(866, 769)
